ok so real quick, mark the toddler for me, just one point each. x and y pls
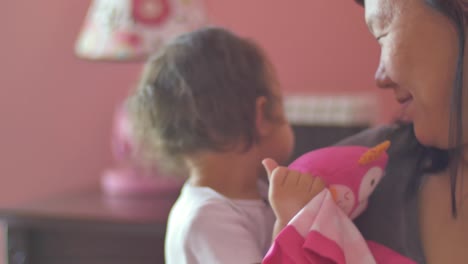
(211, 102)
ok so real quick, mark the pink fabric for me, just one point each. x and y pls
(322, 233)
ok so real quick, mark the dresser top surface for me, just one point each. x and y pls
(92, 207)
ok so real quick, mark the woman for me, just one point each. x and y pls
(422, 61)
(418, 209)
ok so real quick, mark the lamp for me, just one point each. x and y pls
(123, 30)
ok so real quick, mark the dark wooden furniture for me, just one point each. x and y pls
(88, 228)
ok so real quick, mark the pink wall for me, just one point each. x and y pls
(56, 110)
(316, 46)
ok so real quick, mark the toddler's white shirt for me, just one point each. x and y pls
(206, 227)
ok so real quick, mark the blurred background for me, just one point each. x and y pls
(56, 110)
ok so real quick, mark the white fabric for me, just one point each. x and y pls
(206, 227)
(331, 110)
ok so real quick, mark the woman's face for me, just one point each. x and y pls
(419, 49)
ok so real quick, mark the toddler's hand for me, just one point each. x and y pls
(289, 191)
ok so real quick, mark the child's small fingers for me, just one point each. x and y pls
(318, 185)
(293, 178)
(279, 176)
(270, 165)
(305, 181)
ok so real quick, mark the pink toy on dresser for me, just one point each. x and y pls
(323, 231)
(129, 178)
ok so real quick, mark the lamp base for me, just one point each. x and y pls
(128, 182)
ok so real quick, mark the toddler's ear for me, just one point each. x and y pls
(263, 123)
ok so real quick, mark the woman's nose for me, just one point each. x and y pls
(382, 79)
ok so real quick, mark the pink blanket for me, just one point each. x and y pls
(322, 233)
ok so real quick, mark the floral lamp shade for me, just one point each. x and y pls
(132, 29)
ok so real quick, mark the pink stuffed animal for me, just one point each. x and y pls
(351, 172)
(322, 232)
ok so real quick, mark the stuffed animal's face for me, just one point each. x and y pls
(354, 202)
(351, 172)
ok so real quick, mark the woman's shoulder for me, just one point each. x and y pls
(371, 136)
(400, 137)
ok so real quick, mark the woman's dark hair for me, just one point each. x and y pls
(431, 160)
(200, 94)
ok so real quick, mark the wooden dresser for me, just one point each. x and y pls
(87, 228)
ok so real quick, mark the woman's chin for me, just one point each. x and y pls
(427, 139)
